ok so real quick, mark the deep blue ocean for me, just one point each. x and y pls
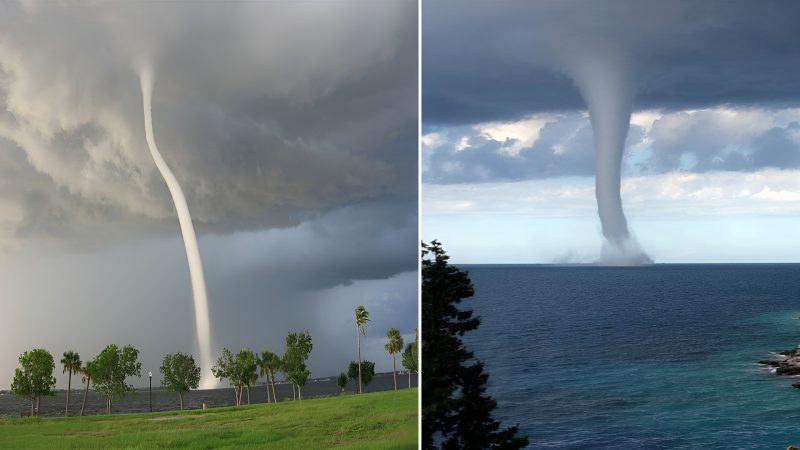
(660, 356)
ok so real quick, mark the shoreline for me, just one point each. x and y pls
(139, 400)
(784, 363)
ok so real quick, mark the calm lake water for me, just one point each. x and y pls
(661, 356)
(11, 406)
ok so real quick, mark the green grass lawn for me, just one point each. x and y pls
(377, 420)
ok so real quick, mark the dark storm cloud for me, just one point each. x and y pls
(292, 128)
(487, 61)
(264, 110)
(359, 242)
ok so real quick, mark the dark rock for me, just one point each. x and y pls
(788, 370)
(788, 365)
(771, 362)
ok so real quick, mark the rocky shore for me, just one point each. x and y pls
(786, 362)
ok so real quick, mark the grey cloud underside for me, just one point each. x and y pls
(360, 242)
(267, 112)
(487, 61)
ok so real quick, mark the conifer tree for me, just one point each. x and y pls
(456, 411)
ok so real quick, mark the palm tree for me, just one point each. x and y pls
(87, 378)
(72, 364)
(275, 367)
(268, 364)
(409, 360)
(263, 371)
(362, 317)
(394, 346)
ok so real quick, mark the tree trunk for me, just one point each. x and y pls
(180, 394)
(394, 371)
(239, 402)
(409, 378)
(358, 345)
(33, 402)
(85, 393)
(248, 394)
(272, 383)
(38, 404)
(69, 388)
(299, 393)
(294, 396)
(266, 386)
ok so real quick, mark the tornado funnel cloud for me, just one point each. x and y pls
(609, 97)
(610, 121)
(201, 313)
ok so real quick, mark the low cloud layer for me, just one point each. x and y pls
(766, 192)
(553, 145)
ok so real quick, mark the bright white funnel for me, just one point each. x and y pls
(201, 314)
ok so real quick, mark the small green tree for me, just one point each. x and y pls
(35, 377)
(342, 381)
(225, 369)
(362, 317)
(179, 373)
(367, 371)
(72, 364)
(246, 364)
(111, 369)
(239, 370)
(298, 348)
(410, 360)
(394, 346)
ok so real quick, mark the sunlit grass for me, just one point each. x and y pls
(375, 420)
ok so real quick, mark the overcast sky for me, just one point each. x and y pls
(711, 171)
(292, 127)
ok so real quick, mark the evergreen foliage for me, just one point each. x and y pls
(456, 411)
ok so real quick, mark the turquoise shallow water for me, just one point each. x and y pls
(651, 357)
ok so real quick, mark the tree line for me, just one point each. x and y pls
(109, 370)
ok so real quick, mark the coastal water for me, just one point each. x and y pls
(660, 356)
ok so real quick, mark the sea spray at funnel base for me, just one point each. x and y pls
(201, 313)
